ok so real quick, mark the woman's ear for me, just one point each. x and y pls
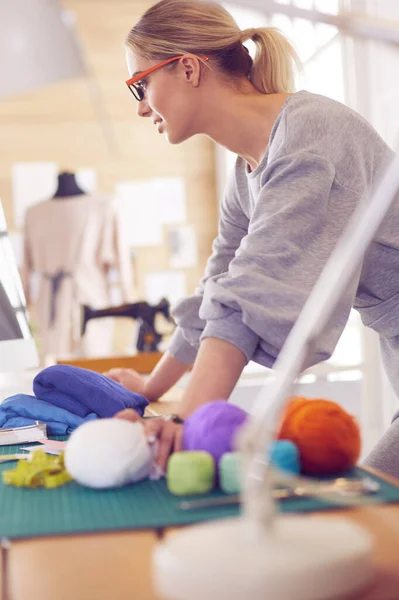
(191, 68)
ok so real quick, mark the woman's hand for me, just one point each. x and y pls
(129, 378)
(167, 433)
(166, 373)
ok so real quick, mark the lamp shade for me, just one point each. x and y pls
(36, 46)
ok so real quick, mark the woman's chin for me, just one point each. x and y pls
(176, 138)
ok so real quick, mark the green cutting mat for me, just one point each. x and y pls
(72, 508)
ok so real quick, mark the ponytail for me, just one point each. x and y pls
(273, 68)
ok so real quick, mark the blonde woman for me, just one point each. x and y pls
(303, 163)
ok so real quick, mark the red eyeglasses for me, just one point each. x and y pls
(135, 83)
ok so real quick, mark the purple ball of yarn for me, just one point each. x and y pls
(213, 428)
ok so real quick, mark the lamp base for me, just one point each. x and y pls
(301, 559)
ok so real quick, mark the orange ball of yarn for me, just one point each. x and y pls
(328, 438)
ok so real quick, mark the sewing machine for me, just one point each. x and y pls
(144, 313)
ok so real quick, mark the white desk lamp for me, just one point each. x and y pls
(36, 46)
(264, 555)
(39, 46)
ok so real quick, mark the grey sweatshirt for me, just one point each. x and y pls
(278, 226)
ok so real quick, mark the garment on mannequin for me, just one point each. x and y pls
(70, 246)
(67, 186)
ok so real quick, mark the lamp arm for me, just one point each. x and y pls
(297, 351)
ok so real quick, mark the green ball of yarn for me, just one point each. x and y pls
(190, 473)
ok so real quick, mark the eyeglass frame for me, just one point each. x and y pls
(138, 92)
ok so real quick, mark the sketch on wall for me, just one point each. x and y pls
(182, 246)
(146, 206)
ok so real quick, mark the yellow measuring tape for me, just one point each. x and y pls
(42, 470)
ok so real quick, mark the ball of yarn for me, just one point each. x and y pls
(230, 467)
(108, 453)
(213, 427)
(328, 437)
(284, 455)
(190, 473)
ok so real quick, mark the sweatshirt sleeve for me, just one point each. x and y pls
(300, 212)
(233, 226)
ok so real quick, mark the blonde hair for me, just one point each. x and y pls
(173, 27)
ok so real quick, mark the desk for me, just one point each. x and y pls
(117, 566)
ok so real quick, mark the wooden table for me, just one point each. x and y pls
(117, 566)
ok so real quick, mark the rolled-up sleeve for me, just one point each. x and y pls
(300, 212)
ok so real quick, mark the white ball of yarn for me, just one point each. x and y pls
(108, 453)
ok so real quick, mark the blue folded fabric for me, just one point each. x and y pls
(22, 410)
(82, 392)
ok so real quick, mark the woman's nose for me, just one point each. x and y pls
(143, 110)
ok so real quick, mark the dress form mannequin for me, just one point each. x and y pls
(67, 186)
(72, 240)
